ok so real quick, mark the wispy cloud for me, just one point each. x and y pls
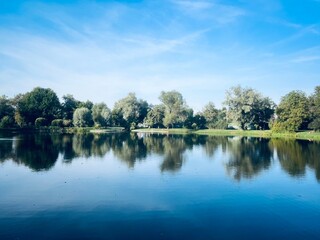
(210, 10)
(306, 59)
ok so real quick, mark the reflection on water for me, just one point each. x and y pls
(140, 186)
(246, 157)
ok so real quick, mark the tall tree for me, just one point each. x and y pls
(155, 116)
(130, 111)
(6, 112)
(293, 112)
(248, 108)
(176, 110)
(315, 109)
(101, 114)
(210, 113)
(39, 103)
(69, 105)
(82, 117)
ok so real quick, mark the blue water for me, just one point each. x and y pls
(158, 187)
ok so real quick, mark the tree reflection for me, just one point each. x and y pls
(295, 155)
(174, 147)
(247, 156)
(129, 148)
(36, 151)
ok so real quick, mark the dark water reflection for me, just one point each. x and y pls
(246, 157)
(140, 186)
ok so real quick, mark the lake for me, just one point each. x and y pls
(140, 186)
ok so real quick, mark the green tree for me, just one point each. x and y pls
(87, 104)
(69, 105)
(101, 114)
(198, 122)
(210, 113)
(82, 117)
(292, 112)
(315, 109)
(248, 108)
(39, 103)
(6, 112)
(155, 116)
(130, 111)
(176, 110)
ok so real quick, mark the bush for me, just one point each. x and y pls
(315, 124)
(57, 123)
(6, 121)
(40, 122)
(67, 123)
(279, 127)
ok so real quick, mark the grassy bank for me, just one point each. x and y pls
(307, 135)
(164, 130)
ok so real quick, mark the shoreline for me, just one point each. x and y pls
(304, 135)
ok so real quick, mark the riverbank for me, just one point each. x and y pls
(306, 135)
(65, 130)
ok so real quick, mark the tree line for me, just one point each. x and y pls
(243, 108)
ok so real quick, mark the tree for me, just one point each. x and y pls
(69, 105)
(155, 116)
(210, 113)
(248, 108)
(82, 117)
(130, 111)
(315, 109)
(292, 112)
(39, 103)
(6, 112)
(176, 110)
(101, 114)
(198, 122)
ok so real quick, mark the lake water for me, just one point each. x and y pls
(134, 186)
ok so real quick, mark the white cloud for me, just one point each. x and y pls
(210, 10)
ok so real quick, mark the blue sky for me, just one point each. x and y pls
(102, 50)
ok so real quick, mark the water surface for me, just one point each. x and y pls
(131, 186)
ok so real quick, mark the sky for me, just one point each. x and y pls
(102, 50)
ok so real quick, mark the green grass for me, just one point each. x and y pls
(165, 130)
(308, 135)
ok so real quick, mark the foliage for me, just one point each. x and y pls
(315, 110)
(40, 122)
(67, 123)
(6, 121)
(57, 123)
(292, 112)
(248, 108)
(176, 110)
(210, 113)
(155, 116)
(130, 110)
(39, 103)
(198, 122)
(87, 104)
(101, 115)
(69, 105)
(82, 117)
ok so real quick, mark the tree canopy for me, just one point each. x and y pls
(40, 102)
(243, 107)
(293, 112)
(247, 108)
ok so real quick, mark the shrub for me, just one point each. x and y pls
(57, 123)
(67, 123)
(40, 122)
(6, 121)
